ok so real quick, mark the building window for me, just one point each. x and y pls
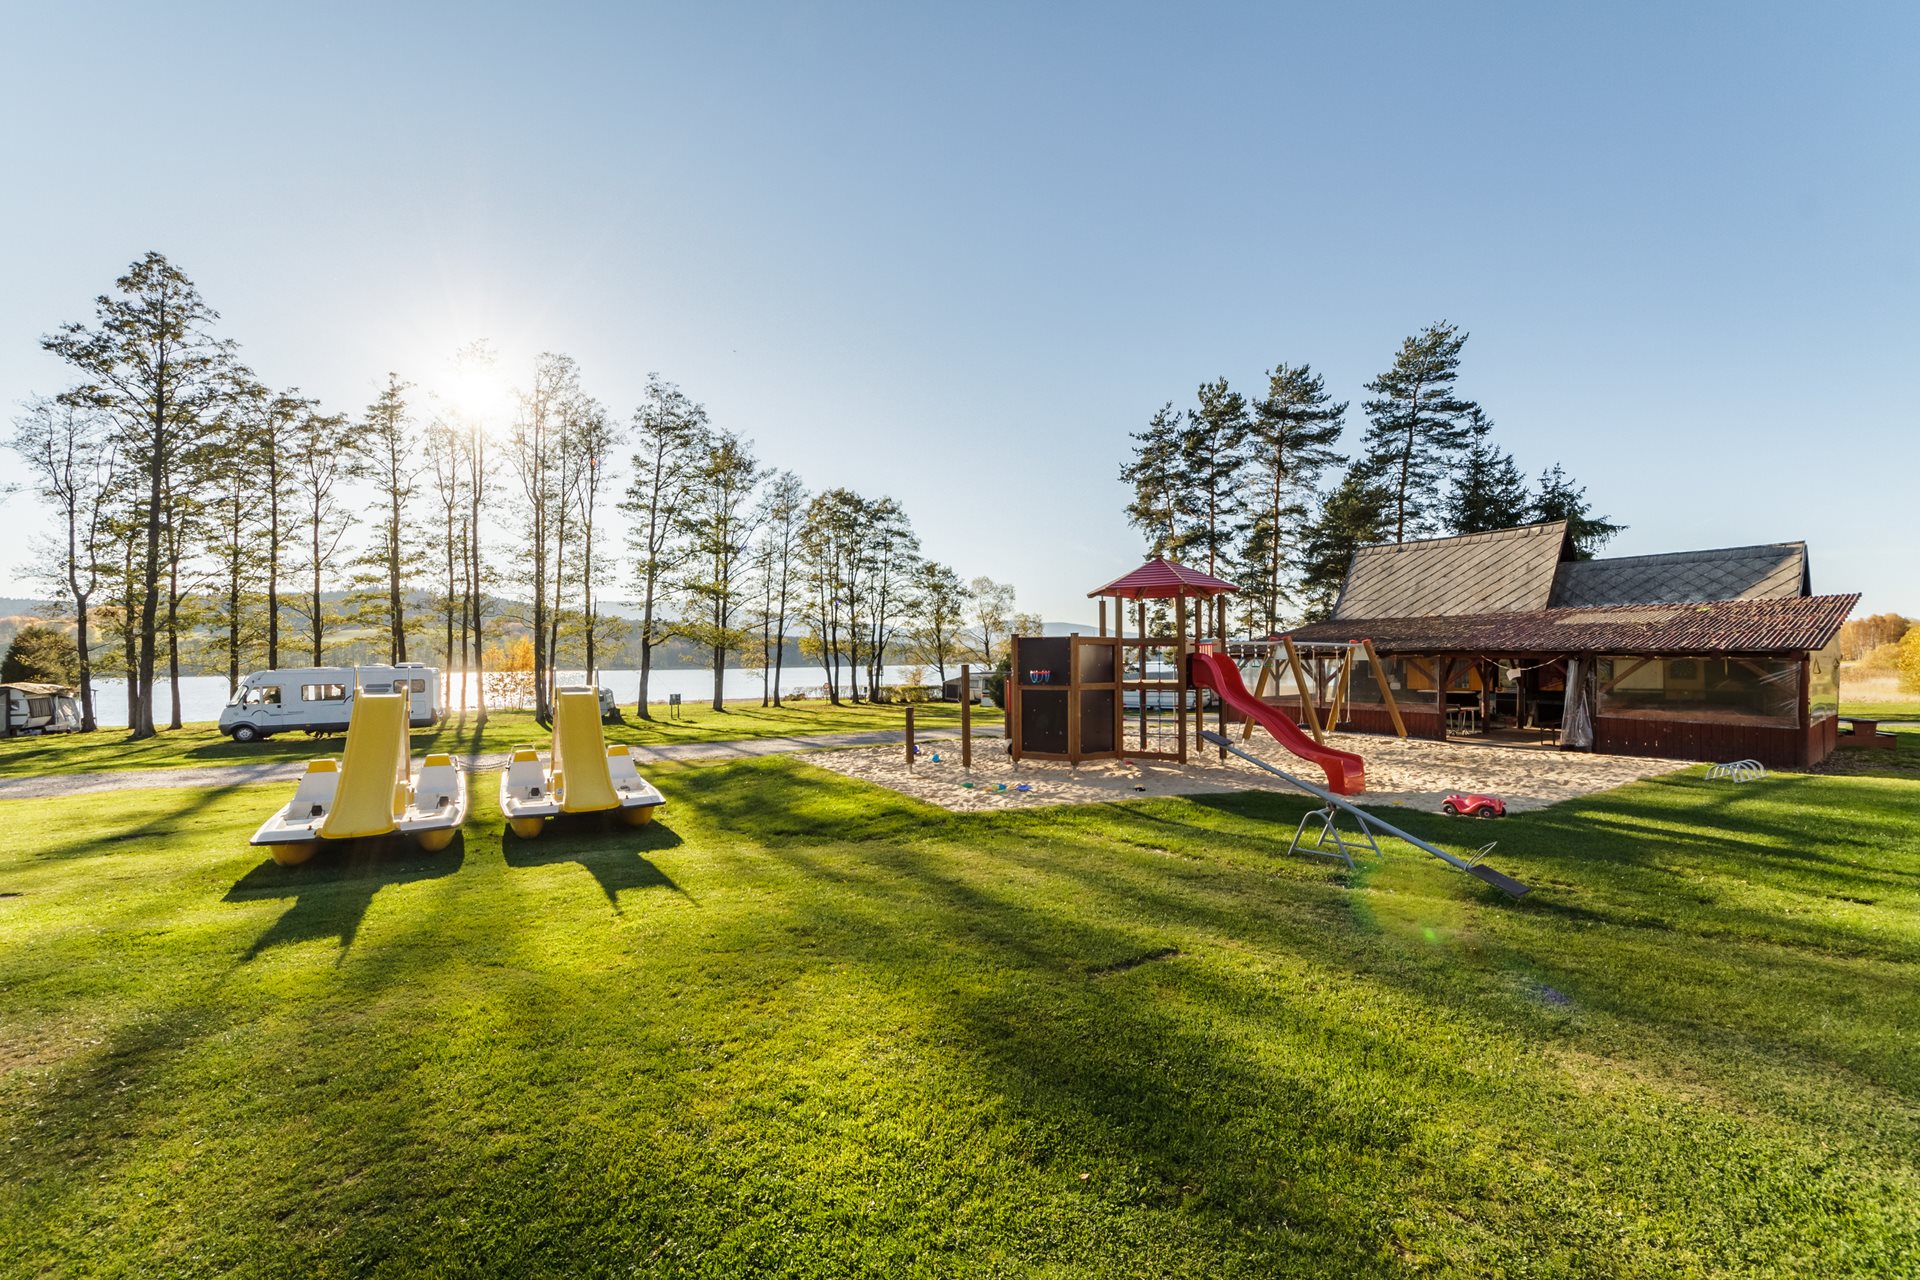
(1760, 691)
(323, 693)
(1823, 682)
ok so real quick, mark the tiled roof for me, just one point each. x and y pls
(1777, 571)
(1728, 626)
(1503, 571)
(1162, 580)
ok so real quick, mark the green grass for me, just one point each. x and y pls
(805, 1027)
(196, 744)
(1883, 710)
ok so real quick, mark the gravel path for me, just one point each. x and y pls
(242, 775)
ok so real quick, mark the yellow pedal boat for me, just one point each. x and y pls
(581, 775)
(372, 790)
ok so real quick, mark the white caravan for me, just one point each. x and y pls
(316, 700)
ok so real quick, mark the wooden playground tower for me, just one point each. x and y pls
(1083, 716)
(1066, 696)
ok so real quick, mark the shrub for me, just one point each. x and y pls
(41, 654)
(1907, 661)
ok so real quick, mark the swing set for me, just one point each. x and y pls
(1332, 668)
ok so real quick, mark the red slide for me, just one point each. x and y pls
(1211, 668)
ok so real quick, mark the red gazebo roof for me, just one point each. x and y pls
(1164, 580)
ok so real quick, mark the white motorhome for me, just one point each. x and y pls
(37, 708)
(317, 700)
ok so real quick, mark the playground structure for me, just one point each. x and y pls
(1322, 674)
(1084, 715)
(371, 790)
(581, 774)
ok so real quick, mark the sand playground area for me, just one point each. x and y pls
(1413, 772)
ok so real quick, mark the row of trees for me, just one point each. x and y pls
(1258, 489)
(190, 496)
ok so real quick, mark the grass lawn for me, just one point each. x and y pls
(203, 744)
(807, 1027)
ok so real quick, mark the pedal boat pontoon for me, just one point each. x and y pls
(581, 775)
(371, 790)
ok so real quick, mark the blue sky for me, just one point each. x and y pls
(910, 250)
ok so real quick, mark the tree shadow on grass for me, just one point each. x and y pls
(332, 892)
(616, 859)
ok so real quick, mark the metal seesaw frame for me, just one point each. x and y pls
(1369, 824)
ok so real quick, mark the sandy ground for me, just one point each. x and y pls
(1410, 771)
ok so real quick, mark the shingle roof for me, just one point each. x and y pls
(1777, 571)
(1162, 580)
(1729, 626)
(1503, 571)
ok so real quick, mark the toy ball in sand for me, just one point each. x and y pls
(936, 757)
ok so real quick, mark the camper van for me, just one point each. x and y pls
(317, 700)
(37, 708)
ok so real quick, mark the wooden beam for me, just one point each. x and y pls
(1259, 691)
(1179, 657)
(966, 716)
(1306, 695)
(1622, 675)
(1340, 688)
(1386, 689)
(1443, 675)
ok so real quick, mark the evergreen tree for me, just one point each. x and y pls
(1357, 513)
(1417, 426)
(1154, 475)
(1212, 455)
(152, 364)
(1489, 491)
(1289, 444)
(1561, 499)
(40, 654)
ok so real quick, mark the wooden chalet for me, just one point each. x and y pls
(1693, 655)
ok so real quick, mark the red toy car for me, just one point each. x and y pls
(1475, 805)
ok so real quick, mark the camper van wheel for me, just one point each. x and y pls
(246, 733)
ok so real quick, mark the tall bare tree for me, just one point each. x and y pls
(318, 465)
(718, 518)
(382, 452)
(70, 452)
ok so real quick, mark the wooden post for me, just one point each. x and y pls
(1340, 688)
(1180, 673)
(966, 716)
(909, 736)
(1103, 615)
(1010, 697)
(1141, 615)
(1442, 675)
(1300, 683)
(1259, 691)
(1386, 689)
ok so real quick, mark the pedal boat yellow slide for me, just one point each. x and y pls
(582, 775)
(371, 790)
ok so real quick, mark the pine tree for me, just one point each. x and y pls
(152, 364)
(1289, 444)
(1357, 513)
(1212, 455)
(1561, 499)
(1489, 492)
(1154, 475)
(1417, 427)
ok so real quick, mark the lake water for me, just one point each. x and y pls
(201, 697)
